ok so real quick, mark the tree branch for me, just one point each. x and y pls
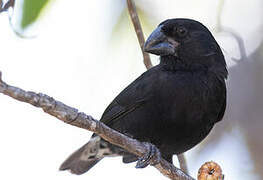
(73, 117)
(138, 29)
(7, 5)
(182, 161)
(1, 4)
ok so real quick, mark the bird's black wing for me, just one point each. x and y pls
(136, 95)
(131, 98)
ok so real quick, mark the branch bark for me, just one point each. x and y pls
(138, 29)
(73, 117)
(7, 5)
(182, 162)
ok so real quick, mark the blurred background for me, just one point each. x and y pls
(84, 53)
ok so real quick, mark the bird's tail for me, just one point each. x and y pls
(88, 155)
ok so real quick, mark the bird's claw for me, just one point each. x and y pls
(152, 157)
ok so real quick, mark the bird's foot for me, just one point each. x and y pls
(152, 157)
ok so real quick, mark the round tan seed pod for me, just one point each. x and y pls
(210, 171)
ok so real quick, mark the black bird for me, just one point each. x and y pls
(173, 105)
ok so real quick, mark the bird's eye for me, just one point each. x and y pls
(181, 31)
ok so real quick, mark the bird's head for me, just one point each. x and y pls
(185, 40)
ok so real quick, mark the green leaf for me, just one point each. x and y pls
(31, 11)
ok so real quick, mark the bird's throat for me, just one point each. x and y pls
(169, 60)
(174, 63)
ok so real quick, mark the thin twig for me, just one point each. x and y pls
(1, 4)
(7, 5)
(183, 163)
(73, 117)
(138, 29)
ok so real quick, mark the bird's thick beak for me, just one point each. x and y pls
(158, 43)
